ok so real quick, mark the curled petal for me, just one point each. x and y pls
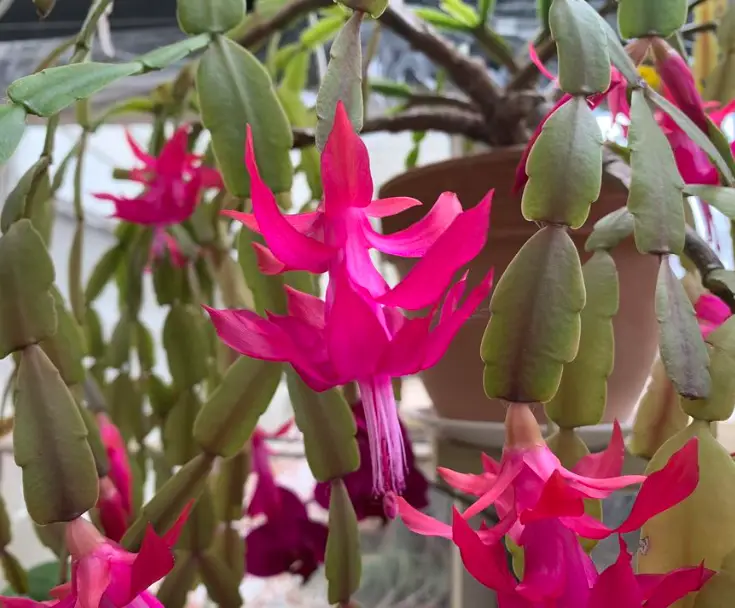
(487, 563)
(616, 587)
(268, 263)
(304, 306)
(386, 207)
(665, 488)
(154, 561)
(675, 585)
(303, 222)
(345, 166)
(290, 246)
(252, 335)
(174, 154)
(457, 246)
(505, 478)
(148, 160)
(476, 485)
(608, 463)
(415, 241)
(420, 523)
(536, 60)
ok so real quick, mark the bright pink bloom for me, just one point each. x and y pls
(351, 338)
(711, 313)
(115, 502)
(288, 541)
(339, 231)
(540, 505)
(361, 486)
(173, 182)
(104, 575)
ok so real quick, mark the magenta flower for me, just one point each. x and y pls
(115, 502)
(361, 486)
(106, 576)
(173, 182)
(358, 334)
(288, 540)
(351, 338)
(540, 505)
(339, 231)
(711, 313)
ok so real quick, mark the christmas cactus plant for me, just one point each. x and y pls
(236, 269)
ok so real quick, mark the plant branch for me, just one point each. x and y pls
(451, 121)
(698, 28)
(285, 16)
(496, 47)
(444, 101)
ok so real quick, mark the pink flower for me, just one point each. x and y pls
(115, 502)
(339, 231)
(360, 484)
(104, 575)
(711, 313)
(288, 541)
(540, 505)
(173, 181)
(351, 338)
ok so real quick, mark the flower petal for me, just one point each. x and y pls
(458, 245)
(711, 311)
(385, 207)
(544, 572)
(268, 263)
(303, 222)
(616, 587)
(92, 576)
(608, 463)
(146, 159)
(304, 306)
(154, 561)
(675, 585)
(252, 335)
(414, 241)
(290, 246)
(174, 154)
(356, 340)
(407, 349)
(505, 478)
(345, 166)
(665, 488)
(450, 324)
(487, 563)
(467, 483)
(557, 499)
(419, 522)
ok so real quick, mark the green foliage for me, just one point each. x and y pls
(179, 445)
(682, 348)
(222, 584)
(235, 90)
(655, 197)
(343, 563)
(185, 341)
(66, 347)
(582, 394)
(535, 321)
(198, 533)
(213, 16)
(229, 416)
(50, 444)
(27, 312)
(720, 402)
(342, 82)
(584, 61)
(15, 205)
(40, 579)
(570, 138)
(640, 18)
(611, 230)
(329, 429)
(166, 55)
(12, 127)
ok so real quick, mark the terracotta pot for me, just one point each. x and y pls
(455, 383)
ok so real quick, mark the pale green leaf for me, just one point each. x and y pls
(343, 561)
(322, 31)
(582, 394)
(231, 413)
(185, 342)
(48, 92)
(440, 19)
(535, 321)
(235, 90)
(50, 444)
(329, 429)
(12, 127)
(641, 18)
(213, 16)
(461, 11)
(682, 348)
(584, 61)
(721, 198)
(611, 230)
(570, 138)
(694, 133)
(342, 82)
(171, 53)
(27, 313)
(655, 198)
